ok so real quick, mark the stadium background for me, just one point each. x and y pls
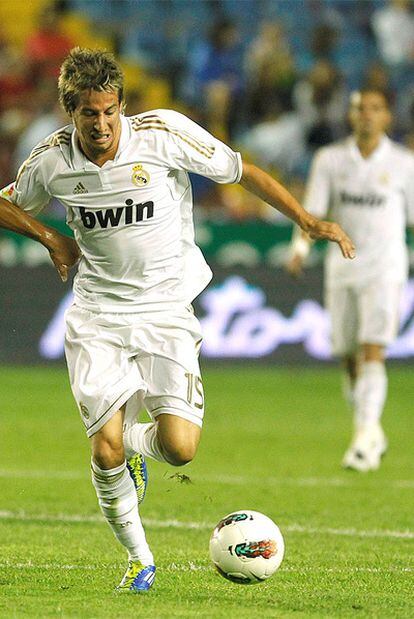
(270, 77)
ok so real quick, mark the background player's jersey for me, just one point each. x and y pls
(372, 199)
(132, 217)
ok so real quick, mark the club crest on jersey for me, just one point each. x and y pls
(140, 177)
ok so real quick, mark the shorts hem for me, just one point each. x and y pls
(169, 410)
(115, 406)
(341, 352)
(384, 341)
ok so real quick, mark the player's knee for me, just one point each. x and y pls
(177, 438)
(108, 453)
(372, 352)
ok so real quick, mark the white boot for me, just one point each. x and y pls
(367, 448)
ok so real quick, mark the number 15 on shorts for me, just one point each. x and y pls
(195, 395)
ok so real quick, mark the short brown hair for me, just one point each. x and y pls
(88, 69)
(368, 90)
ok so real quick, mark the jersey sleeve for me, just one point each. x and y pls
(28, 191)
(318, 189)
(193, 149)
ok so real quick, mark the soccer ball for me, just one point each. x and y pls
(246, 547)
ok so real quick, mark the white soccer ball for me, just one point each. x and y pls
(246, 547)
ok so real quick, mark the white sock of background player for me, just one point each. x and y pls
(370, 393)
(348, 389)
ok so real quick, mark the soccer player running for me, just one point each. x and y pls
(366, 184)
(132, 340)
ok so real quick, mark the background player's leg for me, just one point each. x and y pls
(169, 438)
(350, 365)
(342, 307)
(116, 491)
(371, 385)
(369, 443)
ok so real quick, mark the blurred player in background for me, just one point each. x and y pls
(366, 184)
(132, 339)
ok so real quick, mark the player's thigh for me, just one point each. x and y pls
(172, 372)
(175, 395)
(173, 388)
(175, 399)
(101, 374)
(379, 308)
(341, 304)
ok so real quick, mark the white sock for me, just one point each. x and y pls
(117, 498)
(370, 393)
(348, 389)
(142, 438)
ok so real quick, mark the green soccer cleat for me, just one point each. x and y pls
(137, 578)
(138, 470)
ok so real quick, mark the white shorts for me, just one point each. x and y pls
(147, 360)
(366, 314)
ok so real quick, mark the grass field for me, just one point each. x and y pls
(272, 442)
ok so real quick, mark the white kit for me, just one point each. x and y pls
(372, 199)
(131, 335)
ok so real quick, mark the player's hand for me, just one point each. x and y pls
(294, 266)
(64, 252)
(332, 232)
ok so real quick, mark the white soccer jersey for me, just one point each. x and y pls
(373, 200)
(132, 217)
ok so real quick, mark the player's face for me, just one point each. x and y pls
(369, 115)
(98, 123)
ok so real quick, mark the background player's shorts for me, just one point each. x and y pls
(366, 314)
(147, 360)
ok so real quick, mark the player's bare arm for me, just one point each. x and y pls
(63, 250)
(268, 189)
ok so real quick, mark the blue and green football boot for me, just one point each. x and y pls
(138, 578)
(138, 470)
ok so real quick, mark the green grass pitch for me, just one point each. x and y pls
(273, 440)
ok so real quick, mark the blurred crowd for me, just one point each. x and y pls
(271, 77)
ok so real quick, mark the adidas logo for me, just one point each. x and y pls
(80, 188)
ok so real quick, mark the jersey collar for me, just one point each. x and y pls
(80, 161)
(378, 153)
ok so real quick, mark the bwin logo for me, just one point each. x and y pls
(131, 213)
